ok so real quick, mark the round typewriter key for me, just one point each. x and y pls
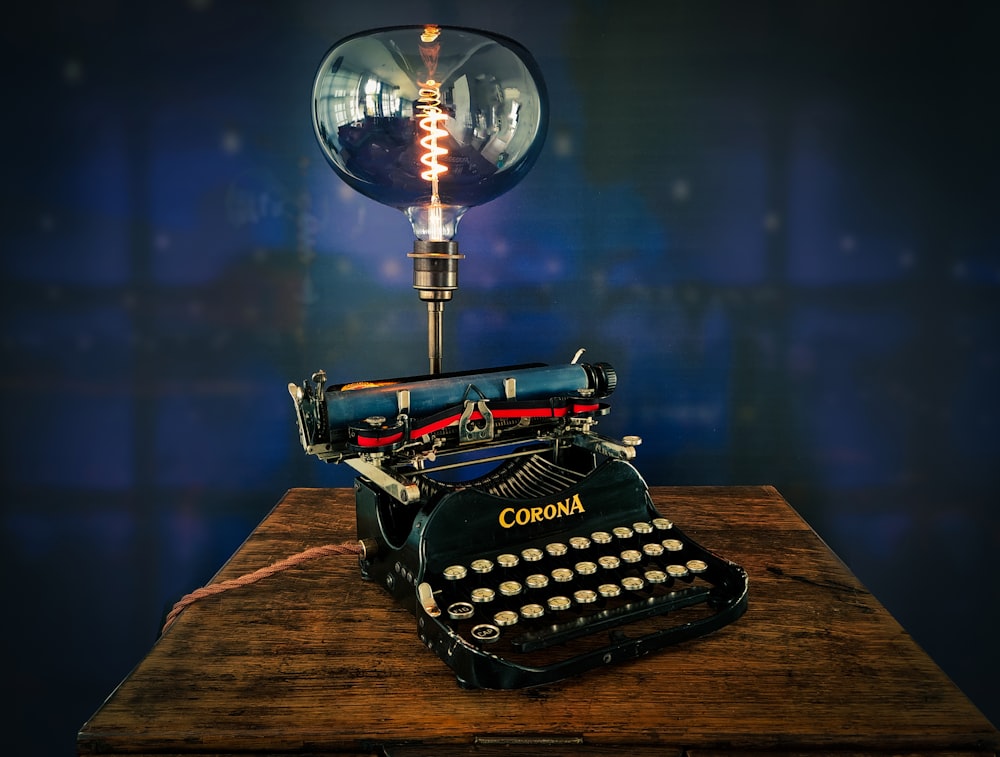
(579, 542)
(652, 549)
(631, 556)
(586, 568)
(697, 566)
(485, 632)
(482, 566)
(672, 545)
(601, 537)
(585, 596)
(460, 611)
(642, 527)
(655, 576)
(609, 562)
(532, 611)
(537, 581)
(555, 549)
(505, 618)
(622, 532)
(609, 590)
(510, 588)
(483, 594)
(562, 575)
(507, 560)
(455, 572)
(662, 524)
(632, 583)
(677, 571)
(531, 554)
(559, 603)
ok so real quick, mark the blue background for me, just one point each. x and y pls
(778, 221)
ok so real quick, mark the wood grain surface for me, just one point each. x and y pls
(315, 660)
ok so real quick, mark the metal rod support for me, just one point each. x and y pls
(435, 335)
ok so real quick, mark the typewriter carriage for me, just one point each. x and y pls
(391, 430)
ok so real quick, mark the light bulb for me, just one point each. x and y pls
(431, 120)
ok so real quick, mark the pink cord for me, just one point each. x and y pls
(348, 548)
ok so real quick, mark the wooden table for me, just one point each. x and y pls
(316, 661)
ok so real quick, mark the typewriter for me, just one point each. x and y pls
(553, 560)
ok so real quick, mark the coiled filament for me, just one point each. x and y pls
(429, 105)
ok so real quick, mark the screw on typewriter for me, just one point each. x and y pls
(525, 544)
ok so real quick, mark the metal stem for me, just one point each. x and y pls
(435, 334)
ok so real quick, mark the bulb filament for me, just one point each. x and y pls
(431, 116)
(429, 105)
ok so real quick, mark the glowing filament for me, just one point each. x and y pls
(429, 104)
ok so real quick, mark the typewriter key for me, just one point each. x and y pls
(631, 556)
(562, 575)
(662, 524)
(507, 560)
(609, 591)
(537, 581)
(555, 549)
(505, 618)
(601, 537)
(531, 554)
(455, 572)
(482, 566)
(559, 603)
(485, 633)
(697, 566)
(532, 611)
(622, 532)
(672, 545)
(510, 588)
(652, 549)
(482, 595)
(655, 576)
(460, 611)
(632, 583)
(586, 568)
(579, 542)
(642, 528)
(609, 562)
(585, 596)
(677, 571)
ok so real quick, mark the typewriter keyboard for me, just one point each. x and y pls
(565, 589)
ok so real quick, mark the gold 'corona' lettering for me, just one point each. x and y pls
(522, 516)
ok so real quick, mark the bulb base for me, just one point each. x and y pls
(435, 269)
(435, 277)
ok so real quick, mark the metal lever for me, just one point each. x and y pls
(425, 595)
(469, 431)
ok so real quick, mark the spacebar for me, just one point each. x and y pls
(562, 632)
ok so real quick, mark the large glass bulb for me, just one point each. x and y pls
(430, 120)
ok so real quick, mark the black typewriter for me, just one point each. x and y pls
(551, 562)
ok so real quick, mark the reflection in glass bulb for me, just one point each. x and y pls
(430, 120)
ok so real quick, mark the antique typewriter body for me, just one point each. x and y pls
(551, 561)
